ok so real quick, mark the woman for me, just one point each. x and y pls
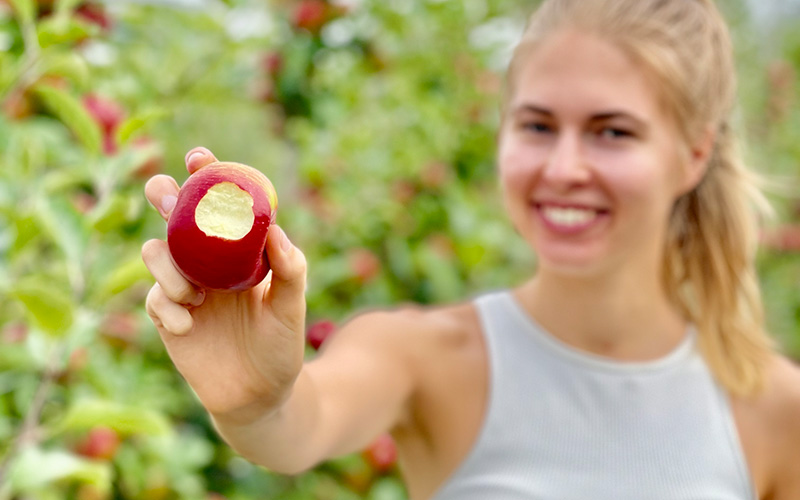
(633, 364)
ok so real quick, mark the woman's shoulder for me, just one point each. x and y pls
(422, 328)
(774, 414)
(780, 402)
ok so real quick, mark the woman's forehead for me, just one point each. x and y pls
(579, 71)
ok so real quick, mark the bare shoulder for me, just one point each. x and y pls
(420, 331)
(782, 397)
(778, 409)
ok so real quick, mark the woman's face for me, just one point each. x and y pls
(589, 162)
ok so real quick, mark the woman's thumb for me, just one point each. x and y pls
(287, 288)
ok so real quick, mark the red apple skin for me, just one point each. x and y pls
(101, 444)
(311, 15)
(382, 453)
(212, 262)
(319, 332)
(106, 112)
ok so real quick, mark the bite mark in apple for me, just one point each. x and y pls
(226, 211)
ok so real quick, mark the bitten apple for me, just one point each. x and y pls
(217, 231)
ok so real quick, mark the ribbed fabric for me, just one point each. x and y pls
(563, 424)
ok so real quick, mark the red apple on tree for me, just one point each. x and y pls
(310, 15)
(318, 332)
(364, 264)
(154, 163)
(94, 13)
(382, 453)
(101, 444)
(217, 232)
(273, 63)
(106, 112)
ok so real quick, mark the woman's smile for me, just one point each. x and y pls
(567, 219)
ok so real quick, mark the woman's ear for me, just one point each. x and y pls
(699, 157)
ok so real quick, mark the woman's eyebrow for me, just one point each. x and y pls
(600, 116)
(610, 115)
(532, 108)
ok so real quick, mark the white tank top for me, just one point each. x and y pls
(563, 424)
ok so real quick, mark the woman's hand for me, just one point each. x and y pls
(240, 351)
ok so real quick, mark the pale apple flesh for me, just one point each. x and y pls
(226, 211)
(217, 231)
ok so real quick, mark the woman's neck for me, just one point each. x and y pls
(618, 317)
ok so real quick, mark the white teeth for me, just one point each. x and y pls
(568, 216)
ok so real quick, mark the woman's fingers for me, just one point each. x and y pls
(287, 287)
(162, 192)
(166, 314)
(155, 254)
(198, 158)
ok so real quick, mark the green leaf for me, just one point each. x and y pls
(35, 468)
(64, 226)
(25, 151)
(62, 29)
(71, 112)
(68, 65)
(388, 488)
(140, 121)
(440, 275)
(26, 230)
(110, 214)
(125, 419)
(48, 308)
(66, 5)
(16, 358)
(25, 9)
(125, 275)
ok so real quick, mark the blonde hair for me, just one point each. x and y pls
(709, 270)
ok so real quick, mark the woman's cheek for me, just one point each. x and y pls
(516, 168)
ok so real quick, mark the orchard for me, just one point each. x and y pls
(374, 122)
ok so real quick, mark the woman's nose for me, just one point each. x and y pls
(566, 164)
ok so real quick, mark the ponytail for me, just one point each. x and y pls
(710, 271)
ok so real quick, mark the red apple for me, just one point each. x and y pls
(106, 112)
(382, 453)
(217, 232)
(17, 105)
(310, 15)
(154, 163)
(784, 238)
(101, 443)
(83, 202)
(318, 332)
(365, 265)
(14, 333)
(273, 63)
(120, 328)
(94, 13)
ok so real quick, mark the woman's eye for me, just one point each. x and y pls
(538, 127)
(613, 133)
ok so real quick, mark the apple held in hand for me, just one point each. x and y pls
(217, 231)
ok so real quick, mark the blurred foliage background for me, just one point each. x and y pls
(376, 122)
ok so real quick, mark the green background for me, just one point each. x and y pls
(375, 121)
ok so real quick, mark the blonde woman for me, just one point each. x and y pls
(633, 365)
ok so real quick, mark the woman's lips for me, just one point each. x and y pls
(569, 219)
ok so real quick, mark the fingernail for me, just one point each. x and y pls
(285, 243)
(194, 154)
(168, 202)
(199, 299)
